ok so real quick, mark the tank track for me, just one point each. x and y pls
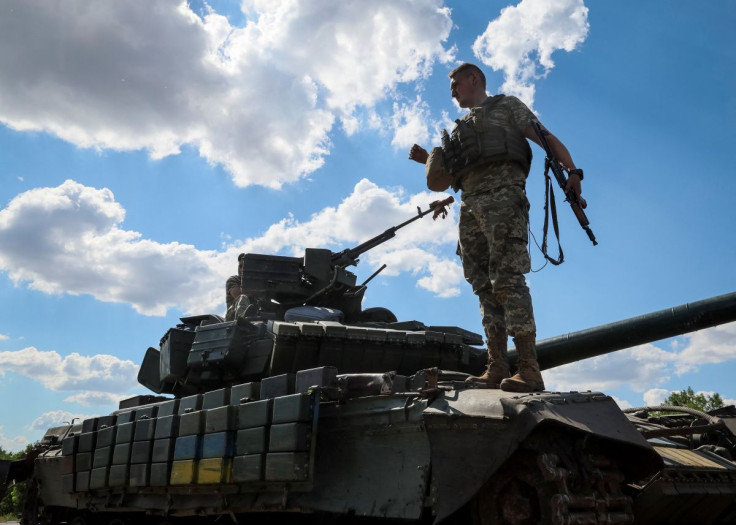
(557, 484)
(597, 500)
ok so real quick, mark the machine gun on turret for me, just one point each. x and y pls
(320, 278)
(349, 257)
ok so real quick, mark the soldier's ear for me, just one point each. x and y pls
(475, 78)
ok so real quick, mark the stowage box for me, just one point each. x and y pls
(220, 345)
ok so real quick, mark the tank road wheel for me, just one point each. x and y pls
(516, 495)
(568, 486)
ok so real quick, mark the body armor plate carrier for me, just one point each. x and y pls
(475, 142)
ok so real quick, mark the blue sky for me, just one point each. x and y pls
(143, 145)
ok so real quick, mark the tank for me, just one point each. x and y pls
(309, 409)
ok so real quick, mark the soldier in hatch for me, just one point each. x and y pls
(238, 303)
(488, 157)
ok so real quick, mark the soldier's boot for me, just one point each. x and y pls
(243, 308)
(498, 363)
(528, 378)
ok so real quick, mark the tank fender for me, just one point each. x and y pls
(473, 432)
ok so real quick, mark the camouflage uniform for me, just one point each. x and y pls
(232, 281)
(493, 231)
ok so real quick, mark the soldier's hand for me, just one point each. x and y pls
(573, 184)
(418, 154)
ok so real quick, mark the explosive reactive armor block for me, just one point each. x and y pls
(214, 470)
(255, 414)
(245, 393)
(121, 453)
(248, 468)
(275, 386)
(218, 445)
(144, 429)
(118, 476)
(184, 472)
(167, 426)
(139, 475)
(221, 419)
(168, 408)
(163, 450)
(323, 376)
(192, 423)
(160, 474)
(190, 403)
(287, 466)
(125, 433)
(252, 441)
(295, 407)
(188, 447)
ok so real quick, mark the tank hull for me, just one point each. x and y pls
(416, 456)
(316, 419)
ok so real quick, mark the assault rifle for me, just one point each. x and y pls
(551, 163)
(349, 257)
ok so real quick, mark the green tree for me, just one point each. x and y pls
(11, 502)
(688, 398)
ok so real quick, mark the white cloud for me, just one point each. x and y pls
(4, 337)
(409, 123)
(91, 398)
(259, 100)
(655, 396)
(521, 41)
(69, 239)
(644, 368)
(622, 403)
(12, 444)
(57, 418)
(714, 345)
(638, 367)
(75, 372)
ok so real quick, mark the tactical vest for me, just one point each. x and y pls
(474, 142)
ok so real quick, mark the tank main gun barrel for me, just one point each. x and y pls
(604, 339)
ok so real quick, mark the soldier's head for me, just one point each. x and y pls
(468, 85)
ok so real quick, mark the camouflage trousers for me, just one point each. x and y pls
(239, 308)
(493, 233)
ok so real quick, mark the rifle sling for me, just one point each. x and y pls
(549, 204)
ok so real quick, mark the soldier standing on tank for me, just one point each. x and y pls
(490, 145)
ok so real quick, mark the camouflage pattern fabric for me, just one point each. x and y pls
(509, 112)
(233, 280)
(493, 231)
(493, 234)
(494, 225)
(236, 307)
